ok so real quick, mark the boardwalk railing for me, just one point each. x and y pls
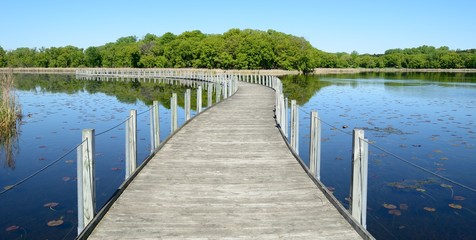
(224, 85)
(358, 192)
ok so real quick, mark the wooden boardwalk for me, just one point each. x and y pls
(227, 174)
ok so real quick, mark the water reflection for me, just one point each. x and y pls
(9, 147)
(426, 119)
(302, 87)
(129, 91)
(10, 118)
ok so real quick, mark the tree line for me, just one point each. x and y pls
(234, 49)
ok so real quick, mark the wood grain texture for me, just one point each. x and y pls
(226, 175)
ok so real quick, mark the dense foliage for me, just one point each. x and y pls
(235, 49)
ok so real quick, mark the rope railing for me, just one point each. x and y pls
(223, 85)
(399, 157)
(23, 180)
(287, 120)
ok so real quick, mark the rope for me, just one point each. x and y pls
(145, 111)
(110, 129)
(402, 159)
(422, 168)
(10, 187)
(328, 124)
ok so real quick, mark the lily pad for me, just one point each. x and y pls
(395, 212)
(446, 185)
(51, 204)
(54, 223)
(429, 209)
(455, 206)
(12, 228)
(389, 206)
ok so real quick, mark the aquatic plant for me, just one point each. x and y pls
(10, 116)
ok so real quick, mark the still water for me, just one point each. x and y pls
(56, 108)
(423, 119)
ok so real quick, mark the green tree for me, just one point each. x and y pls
(3, 57)
(22, 57)
(367, 61)
(92, 57)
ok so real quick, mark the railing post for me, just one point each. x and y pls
(283, 113)
(155, 110)
(294, 126)
(358, 193)
(225, 89)
(315, 146)
(199, 99)
(173, 109)
(152, 130)
(86, 180)
(187, 104)
(131, 144)
(209, 95)
(218, 91)
(79, 180)
(286, 118)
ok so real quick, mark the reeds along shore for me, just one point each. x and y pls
(10, 115)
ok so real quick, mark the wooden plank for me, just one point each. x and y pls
(227, 174)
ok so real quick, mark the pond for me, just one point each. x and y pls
(56, 108)
(427, 120)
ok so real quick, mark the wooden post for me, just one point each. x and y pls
(199, 99)
(156, 124)
(283, 114)
(209, 95)
(187, 104)
(131, 144)
(86, 180)
(286, 117)
(225, 89)
(358, 192)
(79, 183)
(294, 126)
(173, 109)
(152, 130)
(218, 92)
(315, 146)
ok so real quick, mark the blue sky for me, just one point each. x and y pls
(366, 26)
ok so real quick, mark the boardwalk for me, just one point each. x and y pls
(227, 174)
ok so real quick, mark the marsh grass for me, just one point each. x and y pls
(10, 117)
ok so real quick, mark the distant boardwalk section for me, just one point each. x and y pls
(227, 174)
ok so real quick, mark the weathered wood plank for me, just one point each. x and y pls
(227, 174)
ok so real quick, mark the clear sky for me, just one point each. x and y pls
(366, 26)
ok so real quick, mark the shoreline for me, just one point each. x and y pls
(276, 72)
(391, 70)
